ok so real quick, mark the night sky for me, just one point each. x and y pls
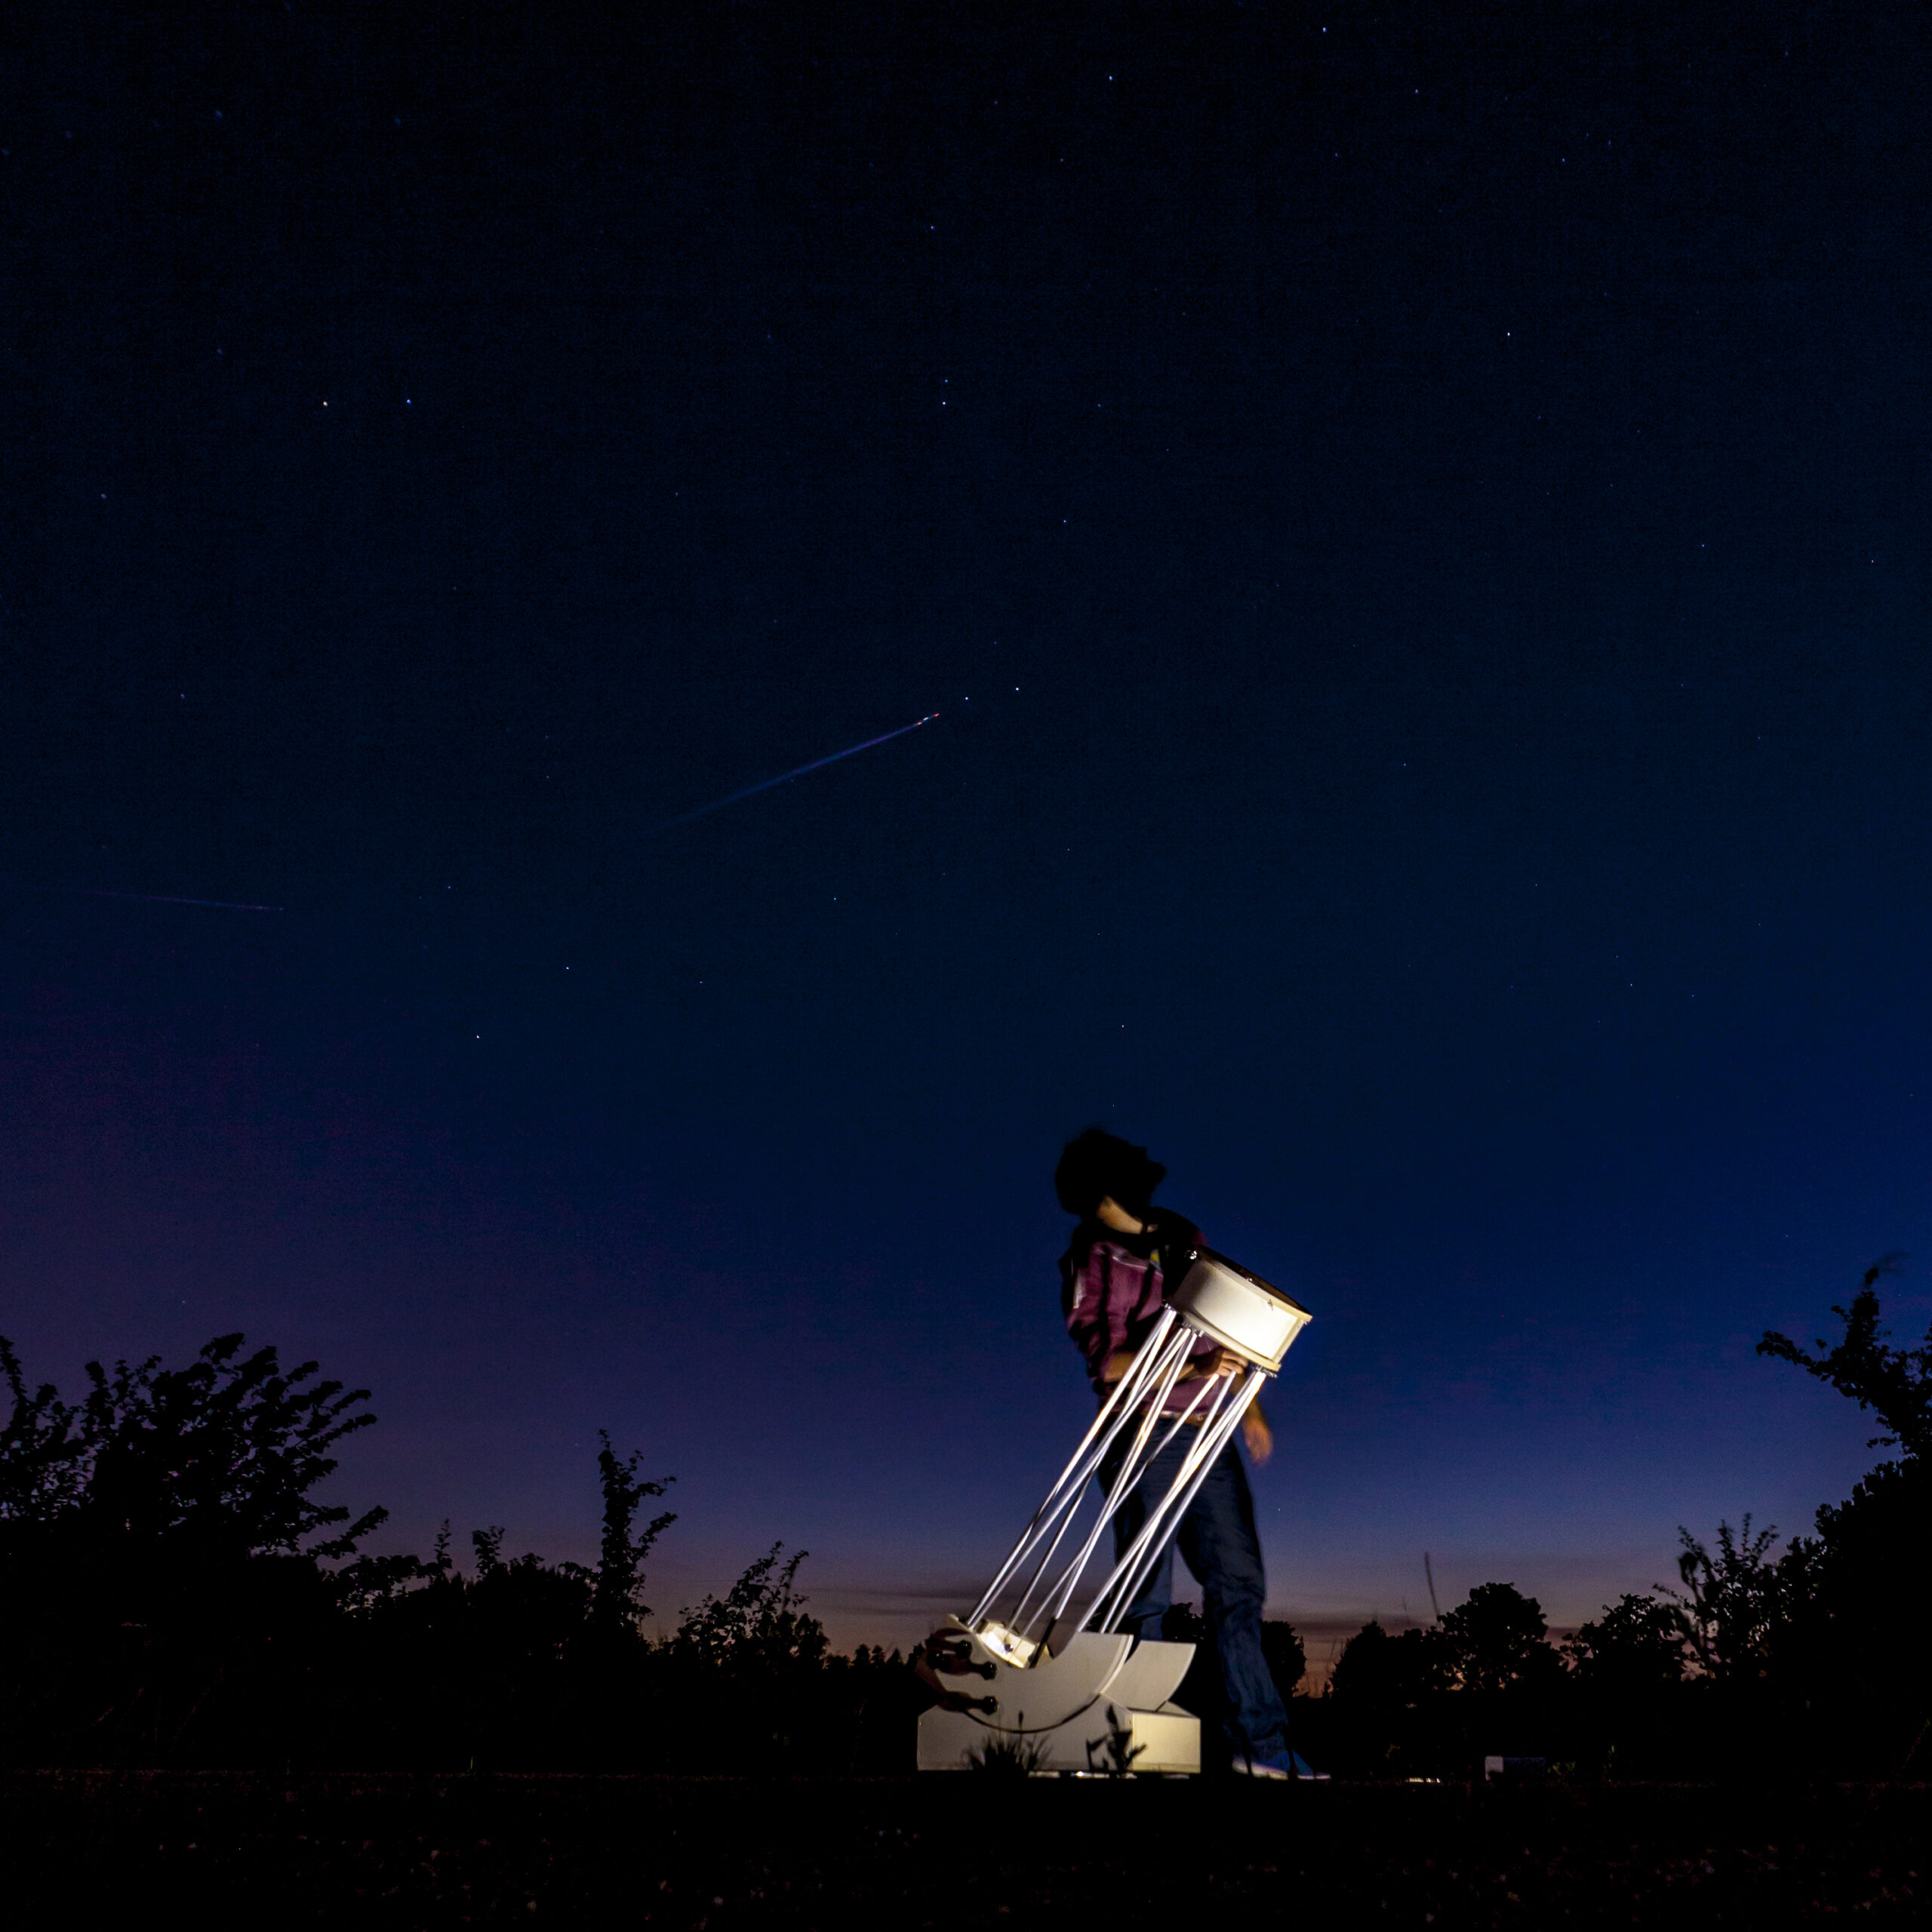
(1415, 533)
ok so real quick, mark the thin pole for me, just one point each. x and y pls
(1125, 1480)
(1069, 1514)
(1129, 1470)
(1152, 1531)
(1145, 1550)
(1141, 1362)
(1148, 1550)
(1053, 1603)
(1063, 1501)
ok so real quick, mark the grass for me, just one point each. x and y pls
(698, 1855)
(1004, 1757)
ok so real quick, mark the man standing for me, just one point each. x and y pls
(1111, 1293)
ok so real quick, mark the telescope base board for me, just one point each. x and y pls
(1165, 1742)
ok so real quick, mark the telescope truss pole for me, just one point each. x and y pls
(1064, 1496)
(1139, 1401)
(1133, 1466)
(1116, 1594)
(1158, 1377)
(1174, 1359)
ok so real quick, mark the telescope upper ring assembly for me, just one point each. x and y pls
(1218, 1298)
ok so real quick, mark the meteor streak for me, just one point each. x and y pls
(168, 899)
(718, 804)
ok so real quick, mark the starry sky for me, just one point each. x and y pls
(1413, 530)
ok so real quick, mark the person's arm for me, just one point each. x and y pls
(1087, 1311)
(1255, 1433)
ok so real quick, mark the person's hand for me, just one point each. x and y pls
(1204, 1368)
(1255, 1433)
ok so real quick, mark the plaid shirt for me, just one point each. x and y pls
(1111, 1292)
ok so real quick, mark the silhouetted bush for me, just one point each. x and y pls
(163, 1588)
(1628, 1668)
(170, 1593)
(1861, 1688)
(1286, 1655)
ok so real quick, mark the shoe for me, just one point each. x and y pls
(1283, 1765)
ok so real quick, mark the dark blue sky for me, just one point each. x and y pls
(1414, 531)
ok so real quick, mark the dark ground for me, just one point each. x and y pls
(388, 1850)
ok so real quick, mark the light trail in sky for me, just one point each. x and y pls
(718, 804)
(168, 899)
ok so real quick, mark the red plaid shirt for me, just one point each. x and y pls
(1111, 1292)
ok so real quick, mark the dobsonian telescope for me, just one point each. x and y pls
(1055, 1679)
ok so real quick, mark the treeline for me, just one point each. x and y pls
(172, 1594)
(1806, 1662)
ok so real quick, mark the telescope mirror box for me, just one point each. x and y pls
(1228, 1304)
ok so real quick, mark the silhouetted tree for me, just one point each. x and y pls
(1732, 1602)
(1182, 1623)
(222, 1454)
(1509, 1681)
(1873, 1569)
(1873, 1552)
(1287, 1655)
(1495, 1640)
(1630, 1713)
(623, 1547)
(1895, 1384)
(161, 1551)
(1634, 1649)
(745, 1683)
(523, 1663)
(1380, 1672)
(757, 1626)
(1387, 1692)
(43, 1468)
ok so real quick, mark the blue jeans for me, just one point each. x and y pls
(1218, 1544)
